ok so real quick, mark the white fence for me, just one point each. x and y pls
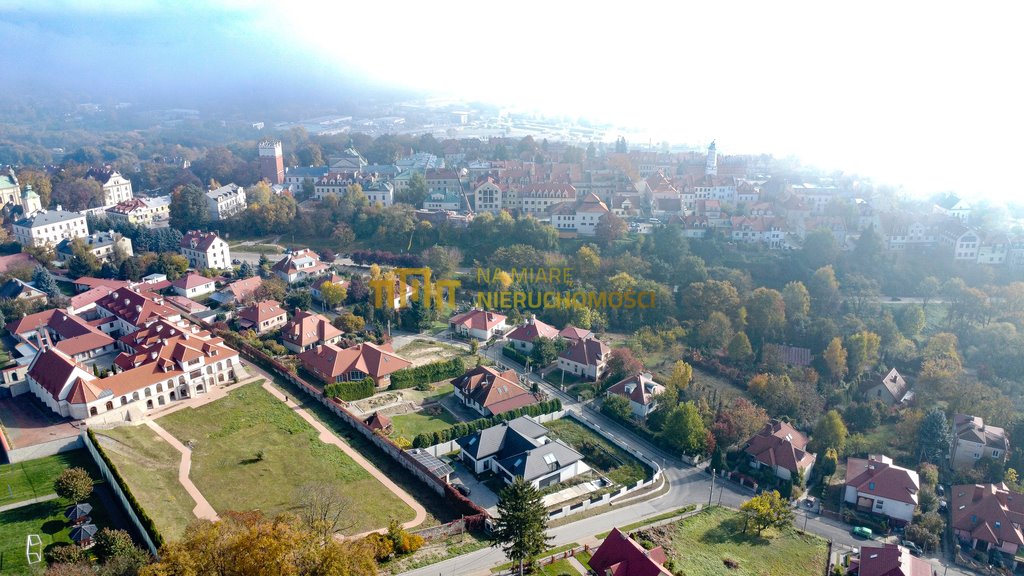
(119, 492)
(44, 449)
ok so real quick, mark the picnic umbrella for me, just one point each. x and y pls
(78, 512)
(83, 533)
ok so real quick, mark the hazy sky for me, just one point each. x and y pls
(927, 94)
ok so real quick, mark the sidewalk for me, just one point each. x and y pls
(28, 502)
(328, 437)
(202, 508)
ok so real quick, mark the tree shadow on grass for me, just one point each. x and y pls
(52, 526)
(730, 531)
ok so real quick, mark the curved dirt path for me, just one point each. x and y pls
(202, 508)
(328, 437)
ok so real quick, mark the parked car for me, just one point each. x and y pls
(861, 532)
(236, 261)
(914, 548)
(939, 490)
(463, 489)
(943, 506)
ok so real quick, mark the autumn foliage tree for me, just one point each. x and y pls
(766, 510)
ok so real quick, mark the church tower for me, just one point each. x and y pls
(271, 161)
(30, 202)
(711, 166)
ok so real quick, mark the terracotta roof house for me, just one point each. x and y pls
(878, 486)
(973, 440)
(298, 266)
(491, 392)
(891, 390)
(522, 337)
(86, 301)
(263, 316)
(641, 390)
(573, 334)
(479, 324)
(988, 516)
(192, 285)
(238, 292)
(378, 421)
(187, 305)
(87, 282)
(587, 358)
(205, 250)
(63, 331)
(15, 261)
(333, 364)
(127, 310)
(888, 560)
(782, 448)
(306, 330)
(620, 555)
(521, 447)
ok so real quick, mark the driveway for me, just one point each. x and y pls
(479, 493)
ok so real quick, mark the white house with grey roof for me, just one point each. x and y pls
(226, 201)
(49, 227)
(521, 447)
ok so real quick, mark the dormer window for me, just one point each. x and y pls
(871, 485)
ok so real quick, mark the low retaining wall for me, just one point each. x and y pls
(43, 450)
(118, 491)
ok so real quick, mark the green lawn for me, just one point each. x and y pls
(231, 434)
(703, 542)
(27, 480)
(598, 453)
(45, 519)
(559, 568)
(549, 552)
(150, 467)
(410, 425)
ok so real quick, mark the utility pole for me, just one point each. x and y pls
(712, 493)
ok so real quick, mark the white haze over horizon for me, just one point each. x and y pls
(927, 96)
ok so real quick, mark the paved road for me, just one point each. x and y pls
(688, 485)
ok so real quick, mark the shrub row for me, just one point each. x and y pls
(509, 352)
(140, 512)
(440, 370)
(350, 391)
(466, 428)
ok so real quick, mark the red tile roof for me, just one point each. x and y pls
(262, 311)
(988, 512)
(330, 361)
(306, 328)
(640, 388)
(877, 475)
(8, 263)
(196, 240)
(136, 308)
(531, 330)
(52, 369)
(90, 296)
(477, 319)
(889, 560)
(588, 352)
(620, 555)
(91, 282)
(496, 391)
(779, 444)
(571, 332)
(191, 280)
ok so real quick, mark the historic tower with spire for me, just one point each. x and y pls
(711, 166)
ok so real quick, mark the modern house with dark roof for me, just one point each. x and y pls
(781, 448)
(893, 389)
(587, 358)
(521, 337)
(888, 560)
(491, 392)
(521, 447)
(620, 555)
(878, 486)
(18, 289)
(987, 517)
(641, 390)
(973, 440)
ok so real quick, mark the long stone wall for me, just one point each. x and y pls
(42, 450)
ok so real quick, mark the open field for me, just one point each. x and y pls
(412, 424)
(27, 480)
(700, 545)
(252, 452)
(421, 352)
(598, 453)
(150, 467)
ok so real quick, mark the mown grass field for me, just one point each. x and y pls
(598, 453)
(704, 541)
(253, 452)
(34, 478)
(150, 467)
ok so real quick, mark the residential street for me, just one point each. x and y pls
(688, 485)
